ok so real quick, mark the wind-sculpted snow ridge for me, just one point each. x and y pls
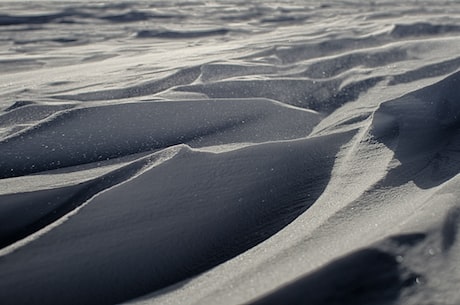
(92, 134)
(195, 201)
(426, 125)
(229, 152)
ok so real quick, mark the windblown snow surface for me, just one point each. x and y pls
(230, 152)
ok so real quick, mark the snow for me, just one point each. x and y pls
(229, 152)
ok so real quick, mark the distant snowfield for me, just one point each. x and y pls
(229, 152)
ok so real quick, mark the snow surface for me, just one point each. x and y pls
(229, 152)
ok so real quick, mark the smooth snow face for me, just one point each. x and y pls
(229, 152)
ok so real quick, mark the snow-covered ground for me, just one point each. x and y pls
(230, 152)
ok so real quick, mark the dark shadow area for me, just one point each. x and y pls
(366, 277)
(90, 13)
(423, 130)
(165, 34)
(22, 214)
(450, 228)
(18, 104)
(432, 70)
(422, 29)
(411, 239)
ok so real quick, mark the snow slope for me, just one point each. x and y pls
(229, 152)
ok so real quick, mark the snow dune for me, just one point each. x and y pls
(222, 152)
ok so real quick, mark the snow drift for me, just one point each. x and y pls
(193, 152)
